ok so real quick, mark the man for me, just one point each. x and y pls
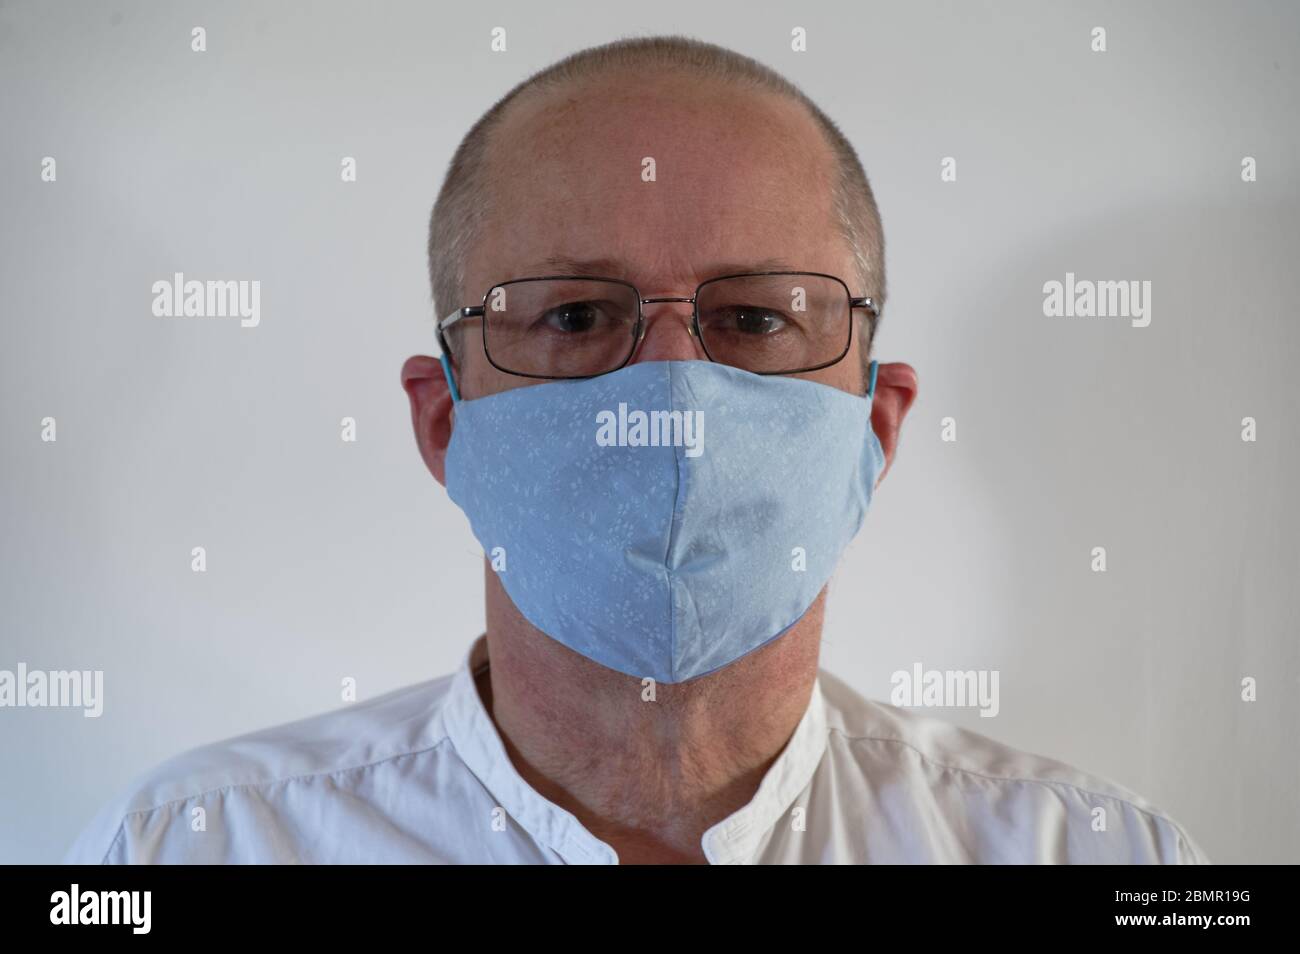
(659, 269)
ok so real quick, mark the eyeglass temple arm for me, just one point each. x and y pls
(867, 303)
(469, 311)
(872, 307)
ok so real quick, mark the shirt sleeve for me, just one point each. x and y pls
(1189, 852)
(1156, 839)
(101, 841)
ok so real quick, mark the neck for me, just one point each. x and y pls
(648, 777)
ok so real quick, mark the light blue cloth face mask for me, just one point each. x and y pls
(675, 560)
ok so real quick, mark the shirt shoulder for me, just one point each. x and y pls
(363, 736)
(997, 803)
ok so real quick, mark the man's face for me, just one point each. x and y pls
(743, 182)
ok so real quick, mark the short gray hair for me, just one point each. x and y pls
(463, 202)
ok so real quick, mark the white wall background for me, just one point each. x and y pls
(329, 559)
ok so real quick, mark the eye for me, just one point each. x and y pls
(572, 317)
(748, 320)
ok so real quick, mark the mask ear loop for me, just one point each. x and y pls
(871, 382)
(455, 392)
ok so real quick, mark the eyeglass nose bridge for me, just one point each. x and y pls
(693, 327)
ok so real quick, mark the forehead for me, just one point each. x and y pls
(738, 176)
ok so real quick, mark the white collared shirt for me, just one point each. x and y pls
(420, 774)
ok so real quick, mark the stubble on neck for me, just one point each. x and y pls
(649, 777)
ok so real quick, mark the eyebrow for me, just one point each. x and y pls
(617, 268)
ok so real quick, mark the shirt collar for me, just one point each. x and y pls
(735, 839)
(475, 737)
(731, 841)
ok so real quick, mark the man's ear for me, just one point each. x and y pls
(431, 411)
(896, 388)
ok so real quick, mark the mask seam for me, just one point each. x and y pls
(672, 536)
